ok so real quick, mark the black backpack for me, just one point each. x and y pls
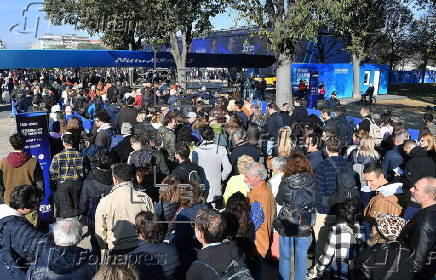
(346, 184)
(234, 271)
(345, 129)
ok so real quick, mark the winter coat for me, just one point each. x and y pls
(419, 235)
(98, 184)
(418, 166)
(122, 150)
(115, 216)
(63, 263)
(262, 214)
(218, 256)
(273, 124)
(20, 243)
(393, 158)
(325, 181)
(315, 158)
(127, 115)
(297, 192)
(155, 261)
(387, 201)
(19, 169)
(216, 165)
(184, 237)
(299, 115)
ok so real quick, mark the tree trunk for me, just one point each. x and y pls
(424, 66)
(179, 57)
(130, 68)
(356, 76)
(391, 68)
(283, 85)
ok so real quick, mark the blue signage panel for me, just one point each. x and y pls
(34, 126)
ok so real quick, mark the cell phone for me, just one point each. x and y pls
(398, 171)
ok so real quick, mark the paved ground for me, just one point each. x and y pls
(7, 126)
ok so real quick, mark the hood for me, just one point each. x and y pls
(418, 152)
(102, 176)
(65, 260)
(209, 146)
(298, 181)
(17, 159)
(391, 189)
(104, 127)
(6, 211)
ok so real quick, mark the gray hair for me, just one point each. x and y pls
(238, 134)
(430, 186)
(401, 136)
(257, 169)
(278, 163)
(67, 232)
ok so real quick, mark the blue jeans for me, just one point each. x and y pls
(299, 255)
(14, 109)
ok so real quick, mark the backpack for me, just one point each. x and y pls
(345, 130)
(346, 184)
(358, 168)
(374, 131)
(192, 175)
(234, 271)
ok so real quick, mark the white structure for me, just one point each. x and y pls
(70, 41)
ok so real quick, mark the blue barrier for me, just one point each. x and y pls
(414, 133)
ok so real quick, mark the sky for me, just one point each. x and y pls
(18, 31)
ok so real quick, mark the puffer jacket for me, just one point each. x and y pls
(98, 183)
(297, 192)
(20, 244)
(63, 263)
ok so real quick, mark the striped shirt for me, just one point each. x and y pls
(67, 166)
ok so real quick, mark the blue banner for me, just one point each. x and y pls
(34, 126)
(29, 59)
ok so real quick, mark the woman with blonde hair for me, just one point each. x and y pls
(357, 137)
(285, 143)
(236, 183)
(364, 154)
(427, 141)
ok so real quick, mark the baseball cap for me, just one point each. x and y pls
(191, 115)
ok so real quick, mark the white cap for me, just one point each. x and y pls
(192, 115)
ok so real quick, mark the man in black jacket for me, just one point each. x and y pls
(215, 256)
(419, 234)
(128, 113)
(273, 124)
(299, 114)
(418, 166)
(186, 170)
(153, 258)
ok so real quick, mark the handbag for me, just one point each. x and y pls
(295, 222)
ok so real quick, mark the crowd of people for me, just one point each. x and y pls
(169, 184)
